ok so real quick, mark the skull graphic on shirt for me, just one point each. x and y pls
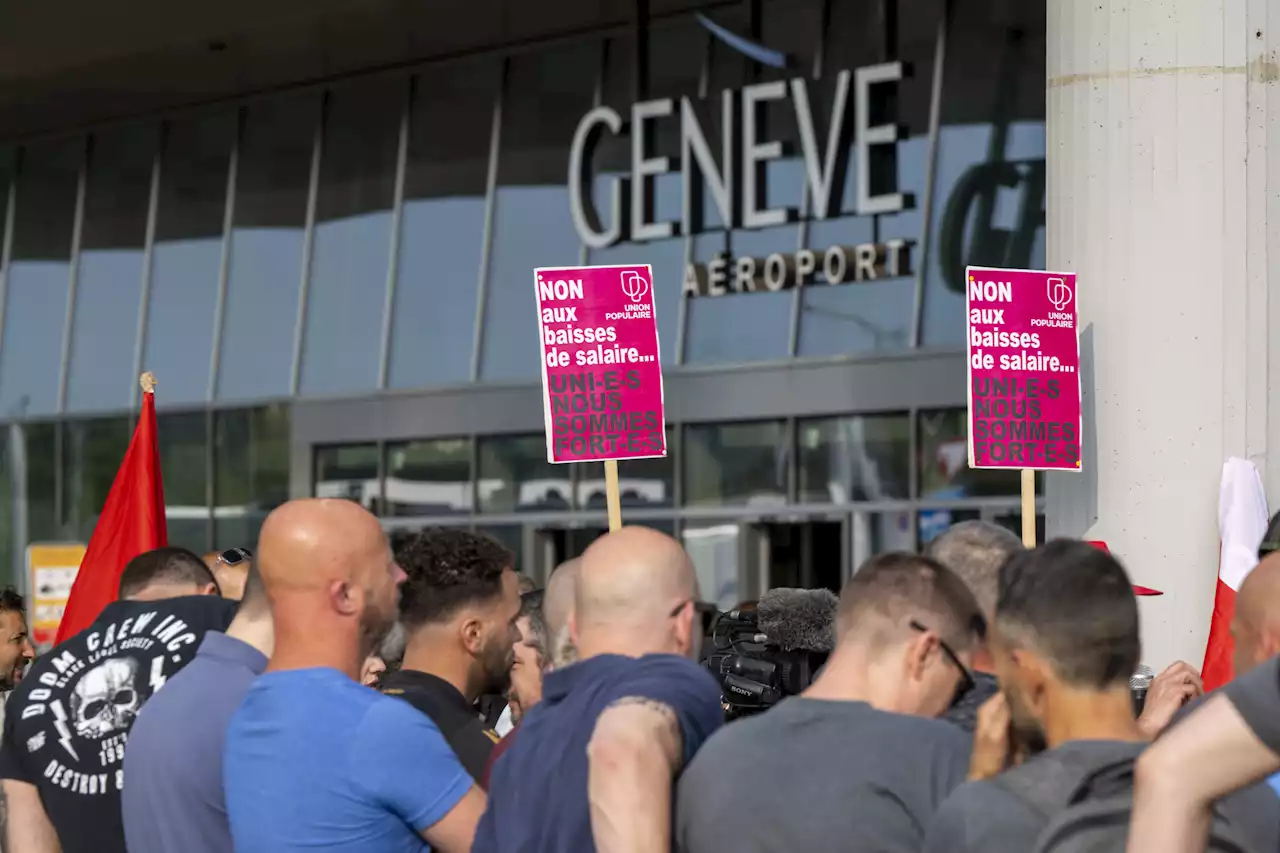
(106, 699)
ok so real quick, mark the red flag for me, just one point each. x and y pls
(132, 521)
(1137, 590)
(1242, 524)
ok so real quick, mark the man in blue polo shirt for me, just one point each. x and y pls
(595, 760)
(174, 798)
(314, 760)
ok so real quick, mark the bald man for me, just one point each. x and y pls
(1232, 732)
(314, 760)
(595, 760)
(557, 609)
(1255, 628)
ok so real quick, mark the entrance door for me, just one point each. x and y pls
(554, 545)
(808, 555)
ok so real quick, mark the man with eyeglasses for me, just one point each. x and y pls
(1064, 643)
(230, 568)
(594, 763)
(855, 762)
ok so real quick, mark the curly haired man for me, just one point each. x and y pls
(459, 608)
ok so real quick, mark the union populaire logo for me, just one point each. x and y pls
(634, 287)
(1059, 293)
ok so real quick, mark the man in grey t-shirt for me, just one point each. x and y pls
(855, 763)
(1064, 640)
(174, 800)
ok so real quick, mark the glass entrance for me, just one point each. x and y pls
(554, 545)
(809, 555)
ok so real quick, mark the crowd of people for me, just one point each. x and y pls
(328, 692)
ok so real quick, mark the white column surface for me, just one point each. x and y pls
(1163, 135)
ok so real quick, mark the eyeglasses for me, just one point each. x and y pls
(966, 678)
(235, 556)
(706, 611)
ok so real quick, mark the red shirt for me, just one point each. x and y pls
(496, 754)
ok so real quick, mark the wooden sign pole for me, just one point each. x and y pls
(1029, 507)
(611, 494)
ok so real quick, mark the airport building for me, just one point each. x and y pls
(316, 222)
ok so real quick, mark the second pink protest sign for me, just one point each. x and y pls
(1023, 368)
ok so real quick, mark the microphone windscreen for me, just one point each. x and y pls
(799, 619)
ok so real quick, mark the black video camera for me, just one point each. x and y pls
(761, 656)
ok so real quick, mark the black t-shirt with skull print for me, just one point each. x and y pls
(67, 723)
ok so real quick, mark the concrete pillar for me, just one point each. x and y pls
(1164, 195)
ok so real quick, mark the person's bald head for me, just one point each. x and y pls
(557, 609)
(636, 593)
(1255, 628)
(328, 570)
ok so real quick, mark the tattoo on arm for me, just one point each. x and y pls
(670, 722)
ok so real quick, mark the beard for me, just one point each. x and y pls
(375, 623)
(495, 660)
(1026, 734)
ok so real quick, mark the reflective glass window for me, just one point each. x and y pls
(348, 471)
(934, 522)
(641, 482)
(272, 182)
(944, 461)
(10, 569)
(7, 162)
(739, 463)
(429, 477)
(39, 450)
(547, 93)
(186, 260)
(512, 536)
(875, 309)
(342, 341)
(92, 451)
(184, 446)
(880, 532)
(989, 203)
(109, 275)
(738, 326)
(442, 225)
(860, 458)
(714, 548)
(676, 73)
(515, 475)
(38, 278)
(251, 471)
(1012, 521)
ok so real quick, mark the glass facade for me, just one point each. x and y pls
(378, 235)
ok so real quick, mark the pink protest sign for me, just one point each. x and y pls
(1024, 369)
(601, 378)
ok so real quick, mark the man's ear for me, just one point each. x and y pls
(345, 598)
(1033, 673)
(923, 645)
(471, 632)
(210, 588)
